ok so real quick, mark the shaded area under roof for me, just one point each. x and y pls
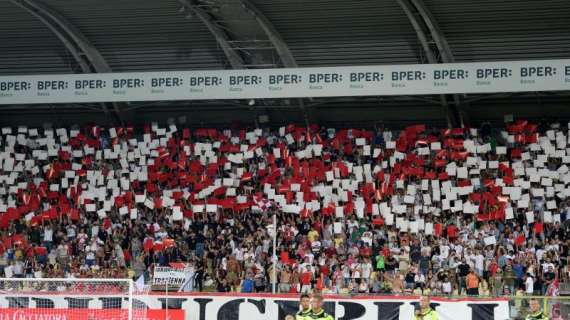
(151, 35)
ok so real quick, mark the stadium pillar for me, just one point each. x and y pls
(274, 257)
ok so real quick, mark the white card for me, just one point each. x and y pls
(489, 241)
(429, 228)
(530, 217)
(176, 213)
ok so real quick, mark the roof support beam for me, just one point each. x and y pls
(280, 45)
(233, 57)
(441, 44)
(428, 30)
(287, 58)
(436, 33)
(422, 37)
(235, 60)
(85, 54)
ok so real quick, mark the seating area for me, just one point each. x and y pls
(419, 210)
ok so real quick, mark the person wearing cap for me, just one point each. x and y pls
(424, 311)
(305, 312)
(317, 311)
(535, 312)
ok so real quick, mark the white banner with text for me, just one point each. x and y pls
(218, 306)
(424, 79)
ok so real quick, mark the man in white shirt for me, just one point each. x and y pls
(352, 225)
(547, 264)
(529, 284)
(479, 260)
(238, 253)
(444, 250)
(539, 254)
(366, 267)
(458, 249)
(470, 257)
(48, 237)
(18, 269)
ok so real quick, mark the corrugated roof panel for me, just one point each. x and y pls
(27, 46)
(143, 35)
(131, 36)
(504, 29)
(338, 32)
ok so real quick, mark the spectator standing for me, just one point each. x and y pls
(472, 281)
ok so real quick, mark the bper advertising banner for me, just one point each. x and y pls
(483, 77)
(245, 307)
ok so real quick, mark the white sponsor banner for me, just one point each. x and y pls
(483, 77)
(268, 307)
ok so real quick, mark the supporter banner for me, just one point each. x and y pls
(260, 307)
(484, 77)
(168, 275)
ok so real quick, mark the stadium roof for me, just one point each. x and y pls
(64, 36)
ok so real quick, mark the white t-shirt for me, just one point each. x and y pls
(479, 262)
(18, 268)
(444, 251)
(470, 260)
(352, 225)
(446, 287)
(48, 235)
(546, 265)
(458, 249)
(356, 273)
(529, 284)
(238, 252)
(539, 254)
(8, 271)
(366, 270)
(367, 238)
(419, 278)
(70, 232)
(94, 231)
(345, 272)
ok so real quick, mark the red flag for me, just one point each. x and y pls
(74, 214)
(538, 228)
(378, 221)
(438, 228)
(246, 176)
(520, 240)
(168, 243)
(148, 244)
(158, 246)
(41, 251)
(157, 203)
(305, 213)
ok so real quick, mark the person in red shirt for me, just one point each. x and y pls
(365, 251)
(452, 232)
(305, 279)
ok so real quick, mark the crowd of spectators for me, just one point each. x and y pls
(421, 210)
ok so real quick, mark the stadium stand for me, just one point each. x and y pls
(439, 211)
